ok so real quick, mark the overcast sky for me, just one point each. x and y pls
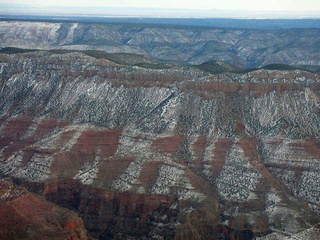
(251, 5)
(255, 8)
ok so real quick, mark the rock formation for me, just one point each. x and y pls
(144, 153)
(27, 216)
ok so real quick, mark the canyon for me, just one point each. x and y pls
(184, 44)
(114, 123)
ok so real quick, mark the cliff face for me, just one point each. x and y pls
(145, 153)
(27, 216)
(195, 45)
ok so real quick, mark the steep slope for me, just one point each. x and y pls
(27, 216)
(144, 152)
(195, 45)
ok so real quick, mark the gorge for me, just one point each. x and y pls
(164, 132)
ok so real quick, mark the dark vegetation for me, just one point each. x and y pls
(217, 67)
(214, 67)
(128, 59)
(13, 50)
(120, 58)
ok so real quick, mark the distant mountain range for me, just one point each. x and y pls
(245, 48)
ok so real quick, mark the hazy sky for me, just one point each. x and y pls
(251, 5)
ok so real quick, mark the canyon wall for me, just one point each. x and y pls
(142, 152)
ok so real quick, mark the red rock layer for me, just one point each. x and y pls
(27, 216)
(220, 151)
(149, 174)
(89, 145)
(199, 148)
(169, 144)
(108, 213)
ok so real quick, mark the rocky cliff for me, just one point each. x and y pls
(27, 216)
(195, 45)
(146, 153)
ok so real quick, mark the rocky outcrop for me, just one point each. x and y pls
(27, 216)
(112, 215)
(142, 152)
(195, 45)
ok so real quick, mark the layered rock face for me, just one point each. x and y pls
(146, 153)
(195, 45)
(27, 216)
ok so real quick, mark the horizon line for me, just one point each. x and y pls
(149, 12)
(156, 9)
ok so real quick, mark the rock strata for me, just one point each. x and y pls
(142, 153)
(27, 216)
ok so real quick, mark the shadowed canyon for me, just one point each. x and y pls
(159, 132)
